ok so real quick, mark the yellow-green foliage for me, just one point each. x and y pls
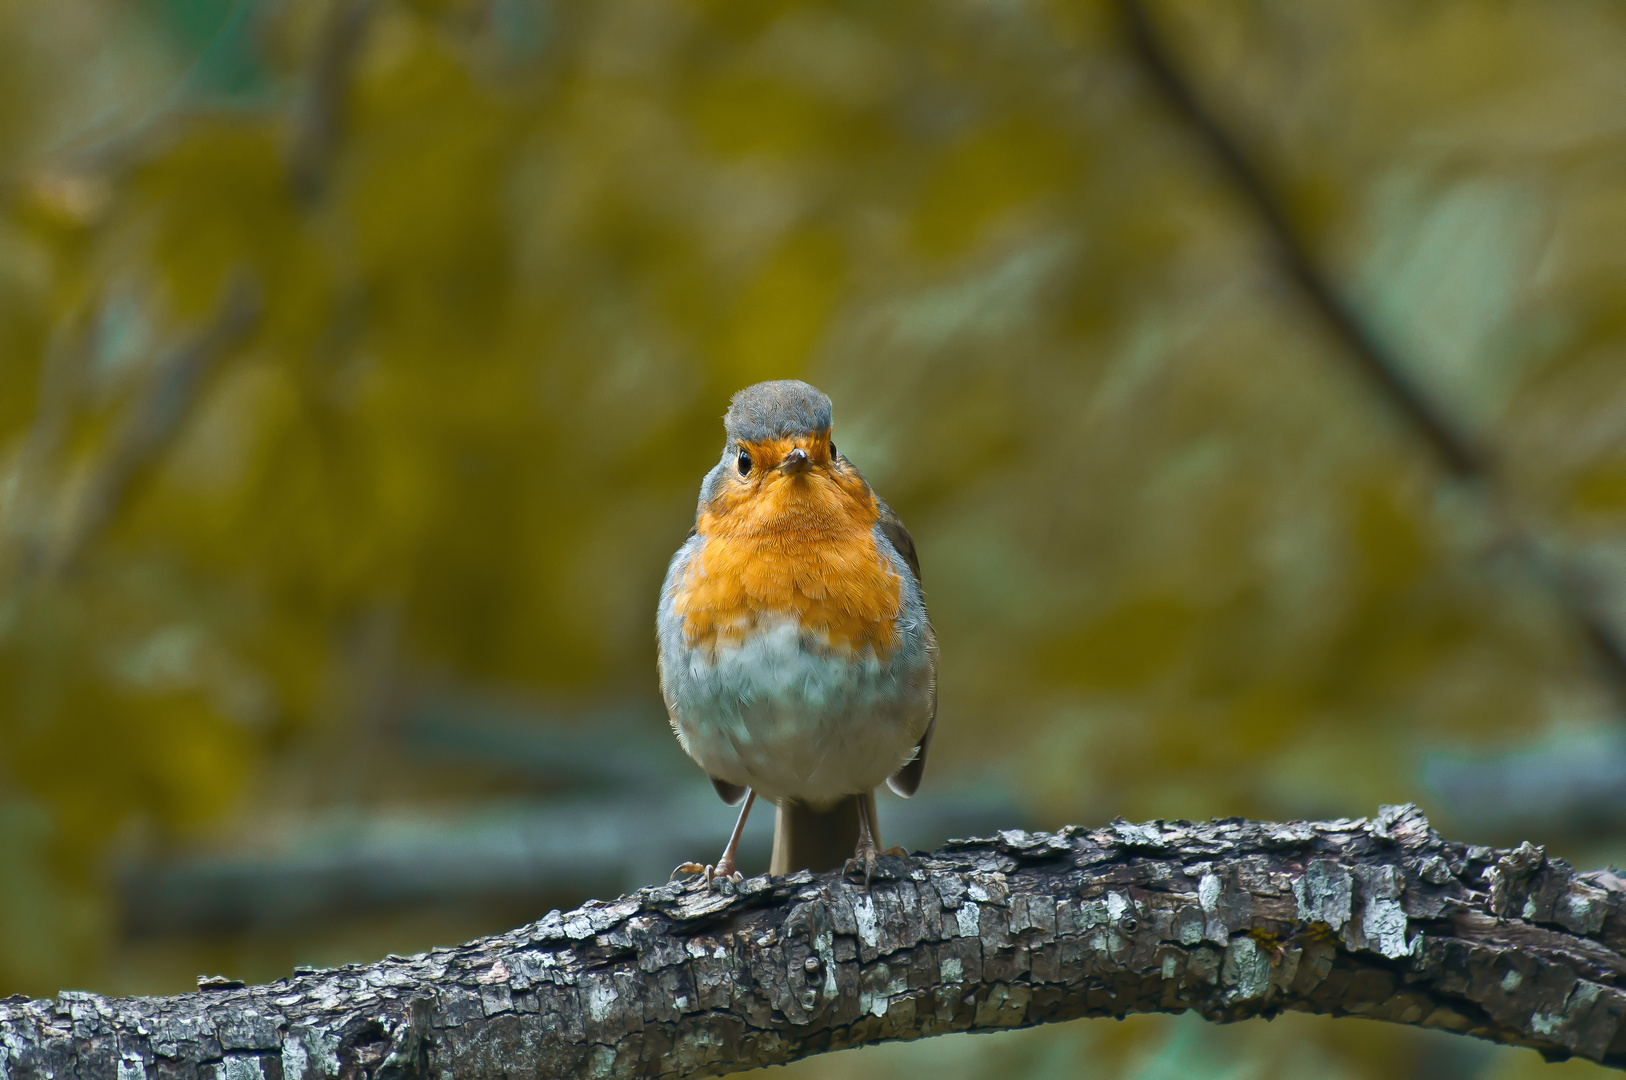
(1183, 559)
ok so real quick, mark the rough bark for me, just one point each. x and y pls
(1377, 918)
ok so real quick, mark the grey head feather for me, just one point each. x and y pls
(774, 410)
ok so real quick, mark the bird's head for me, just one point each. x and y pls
(780, 466)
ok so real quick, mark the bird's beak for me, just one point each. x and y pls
(796, 461)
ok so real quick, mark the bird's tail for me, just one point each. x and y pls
(819, 840)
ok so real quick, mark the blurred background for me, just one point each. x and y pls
(360, 361)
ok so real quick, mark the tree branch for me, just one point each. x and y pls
(1233, 919)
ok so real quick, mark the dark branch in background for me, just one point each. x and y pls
(1233, 919)
(1571, 785)
(520, 856)
(1386, 371)
(320, 120)
(612, 804)
(1562, 575)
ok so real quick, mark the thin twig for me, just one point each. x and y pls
(153, 419)
(321, 117)
(23, 527)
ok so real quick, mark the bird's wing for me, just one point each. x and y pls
(729, 793)
(892, 528)
(906, 781)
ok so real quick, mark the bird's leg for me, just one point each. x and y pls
(725, 865)
(864, 854)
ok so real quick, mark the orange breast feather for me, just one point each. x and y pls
(800, 546)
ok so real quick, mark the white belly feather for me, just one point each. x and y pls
(789, 717)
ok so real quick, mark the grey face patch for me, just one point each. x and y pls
(774, 410)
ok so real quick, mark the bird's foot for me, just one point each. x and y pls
(864, 856)
(710, 874)
(874, 863)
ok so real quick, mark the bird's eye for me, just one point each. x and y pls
(744, 463)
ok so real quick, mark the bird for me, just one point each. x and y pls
(797, 660)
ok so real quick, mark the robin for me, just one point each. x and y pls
(796, 657)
